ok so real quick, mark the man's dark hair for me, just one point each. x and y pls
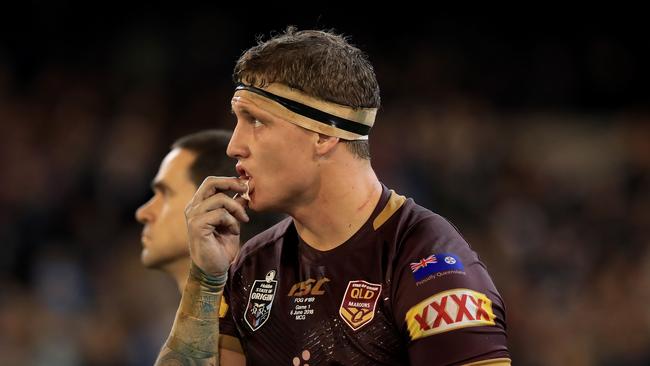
(211, 159)
(210, 149)
(320, 63)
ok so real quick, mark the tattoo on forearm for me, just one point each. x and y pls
(173, 358)
(194, 339)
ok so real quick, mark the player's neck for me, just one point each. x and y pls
(346, 199)
(179, 270)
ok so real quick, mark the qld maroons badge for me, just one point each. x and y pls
(260, 301)
(359, 303)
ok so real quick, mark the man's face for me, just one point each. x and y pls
(277, 156)
(164, 236)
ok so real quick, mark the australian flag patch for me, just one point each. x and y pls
(436, 263)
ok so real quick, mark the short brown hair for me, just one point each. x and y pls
(320, 63)
(210, 149)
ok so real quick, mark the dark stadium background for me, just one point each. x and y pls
(529, 129)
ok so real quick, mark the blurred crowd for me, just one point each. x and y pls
(555, 201)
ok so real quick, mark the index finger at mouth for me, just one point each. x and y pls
(213, 185)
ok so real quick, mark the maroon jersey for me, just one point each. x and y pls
(405, 289)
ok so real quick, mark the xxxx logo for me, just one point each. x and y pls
(449, 310)
(359, 302)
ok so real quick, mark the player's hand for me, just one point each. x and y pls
(213, 220)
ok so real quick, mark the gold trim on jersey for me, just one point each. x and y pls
(492, 362)
(223, 308)
(394, 203)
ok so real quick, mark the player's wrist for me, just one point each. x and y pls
(210, 282)
(195, 333)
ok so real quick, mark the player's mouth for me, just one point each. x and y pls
(245, 176)
(145, 239)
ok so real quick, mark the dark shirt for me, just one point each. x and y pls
(405, 289)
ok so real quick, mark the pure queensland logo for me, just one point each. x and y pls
(436, 265)
(260, 301)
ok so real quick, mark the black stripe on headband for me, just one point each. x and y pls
(310, 112)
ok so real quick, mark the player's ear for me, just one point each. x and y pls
(325, 144)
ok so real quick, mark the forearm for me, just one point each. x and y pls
(169, 357)
(194, 336)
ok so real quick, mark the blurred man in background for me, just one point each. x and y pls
(191, 159)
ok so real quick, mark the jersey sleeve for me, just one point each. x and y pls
(228, 334)
(444, 301)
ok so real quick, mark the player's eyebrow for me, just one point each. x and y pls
(158, 185)
(242, 111)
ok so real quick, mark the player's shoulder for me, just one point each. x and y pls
(397, 213)
(414, 220)
(414, 214)
(434, 224)
(417, 229)
(264, 239)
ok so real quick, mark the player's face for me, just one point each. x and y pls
(277, 157)
(164, 236)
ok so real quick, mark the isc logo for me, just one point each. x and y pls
(449, 310)
(305, 288)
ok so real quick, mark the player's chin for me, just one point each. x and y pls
(259, 205)
(148, 259)
(252, 203)
(266, 201)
